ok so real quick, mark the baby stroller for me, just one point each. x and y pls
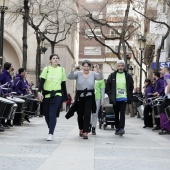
(106, 115)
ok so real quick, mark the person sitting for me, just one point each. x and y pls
(148, 108)
(19, 84)
(20, 87)
(6, 82)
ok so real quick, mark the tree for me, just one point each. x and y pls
(51, 21)
(123, 24)
(159, 21)
(25, 27)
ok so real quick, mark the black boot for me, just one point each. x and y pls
(93, 131)
(9, 123)
(89, 128)
(17, 120)
(27, 118)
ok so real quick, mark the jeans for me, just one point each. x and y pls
(50, 111)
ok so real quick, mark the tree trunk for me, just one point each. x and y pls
(38, 60)
(52, 47)
(25, 46)
(158, 52)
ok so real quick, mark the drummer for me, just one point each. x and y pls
(1, 126)
(21, 85)
(5, 82)
(158, 91)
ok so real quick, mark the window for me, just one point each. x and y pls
(121, 48)
(114, 34)
(97, 32)
(95, 14)
(92, 50)
(93, 1)
(117, 10)
(107, 50)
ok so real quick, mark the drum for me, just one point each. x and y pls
(20, 103)
(35, 91)
(167, 112)
(140, 110)
(13, 112)
(25, 99)
(32, 106)
(156, 106)
(6, 108)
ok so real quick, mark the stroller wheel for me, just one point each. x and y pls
(100, 123)
(100, 126)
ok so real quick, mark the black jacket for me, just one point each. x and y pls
(111, 87)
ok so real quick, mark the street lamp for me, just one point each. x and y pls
(142, 42)
(3, 8)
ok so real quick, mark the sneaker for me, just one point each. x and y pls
(117, 132)
(5, 126)
(93, 131)
(85, 135)
(50, 137)
(156, 128)
(121, 132)
(81, 133)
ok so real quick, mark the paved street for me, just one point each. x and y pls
(26, 148)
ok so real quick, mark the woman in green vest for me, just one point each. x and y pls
(52, 86)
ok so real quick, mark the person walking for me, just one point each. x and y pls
(99, 96)
(119, 88)
(52, 85)
(85, 98)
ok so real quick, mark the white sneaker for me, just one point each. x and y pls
(50, 137)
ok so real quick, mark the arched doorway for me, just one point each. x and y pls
(10, 55)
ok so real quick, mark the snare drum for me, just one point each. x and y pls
(156, 106)
(13, 112)
(25, 100)
(20, 103)
(35, 91)
(32, 106)
(6, 108)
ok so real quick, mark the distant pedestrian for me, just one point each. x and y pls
(99, 96)
(85, 97)
(68, 102)
(119, 88)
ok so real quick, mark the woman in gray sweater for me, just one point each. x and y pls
(85, 97)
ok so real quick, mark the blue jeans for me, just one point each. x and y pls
(50, 111)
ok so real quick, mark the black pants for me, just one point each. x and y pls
(120, 108)
(165, 104)
(84, 108)
(148, 116)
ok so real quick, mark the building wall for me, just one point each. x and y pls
(67, 50)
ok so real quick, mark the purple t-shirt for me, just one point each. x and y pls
(166, 77)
